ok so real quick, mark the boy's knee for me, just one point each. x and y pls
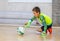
(50, 30)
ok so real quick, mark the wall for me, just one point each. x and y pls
(20, 12)
(56, 12)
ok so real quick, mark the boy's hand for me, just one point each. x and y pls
(26, 23)
(27, 26)
(43, 34)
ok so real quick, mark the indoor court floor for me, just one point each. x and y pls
(9, 33)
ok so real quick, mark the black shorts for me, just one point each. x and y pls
(47, 27)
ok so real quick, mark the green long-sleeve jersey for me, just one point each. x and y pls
(43, 19)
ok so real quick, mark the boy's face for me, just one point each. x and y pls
(36, 14)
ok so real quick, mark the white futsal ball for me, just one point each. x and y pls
(20, 30)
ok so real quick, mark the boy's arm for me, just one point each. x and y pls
(30, 21)
(44, 23)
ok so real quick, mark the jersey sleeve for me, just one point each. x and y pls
(30, 21)
(43, 22)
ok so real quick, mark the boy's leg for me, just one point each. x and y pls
(50, 30)
(41, 29)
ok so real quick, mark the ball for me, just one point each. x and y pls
(20, 30)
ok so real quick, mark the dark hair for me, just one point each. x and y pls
(37, 9)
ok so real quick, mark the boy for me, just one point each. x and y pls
(45, 20)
